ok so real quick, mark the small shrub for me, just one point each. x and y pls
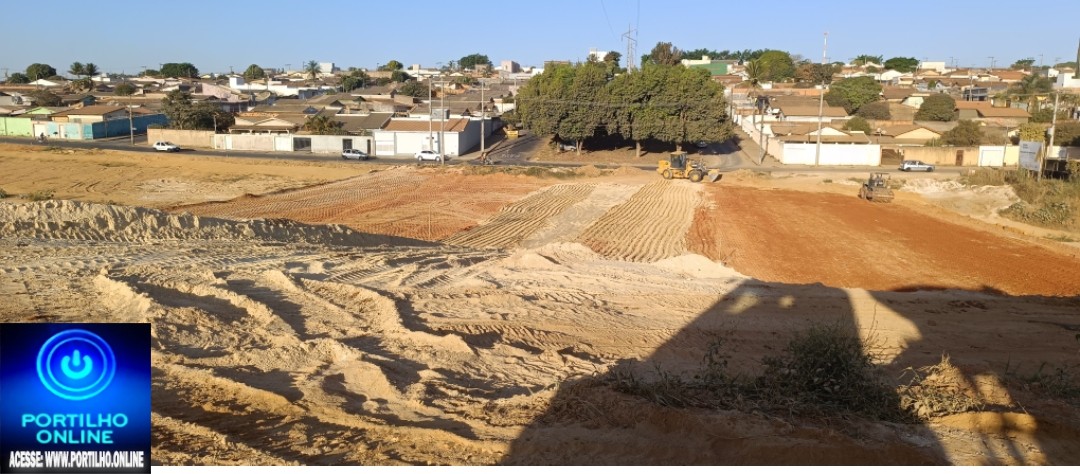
(935, 391)
(875, 111)
(827, 180)
(3, 194)
(39, 195)
(984, 177)
(859, 124)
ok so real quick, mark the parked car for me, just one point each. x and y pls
(915, 165)
(166, 146)
(567, 147)
(353, 155)
(702, 144)
(428, 155)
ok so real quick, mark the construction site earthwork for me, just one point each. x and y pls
(364, 313)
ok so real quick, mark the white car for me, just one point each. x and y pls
(166, 146)
(428, 155)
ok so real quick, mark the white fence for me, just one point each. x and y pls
(832, 154)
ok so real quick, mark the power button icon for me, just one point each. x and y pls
(76, 364)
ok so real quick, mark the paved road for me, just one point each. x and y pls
(724, 156)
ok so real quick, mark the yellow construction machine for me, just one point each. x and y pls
(677, 166)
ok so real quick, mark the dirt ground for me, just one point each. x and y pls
(399, 315)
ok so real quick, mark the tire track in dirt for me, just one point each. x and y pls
(840, 241)
(520, 219)
(650, 226)
(405, 202)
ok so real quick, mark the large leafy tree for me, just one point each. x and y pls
(124, 89)
(45, 97)
(1032, 90)
(90, 70)
(700, 52)
(866, 58)
(611, 62)
(815, 73)
(391, 65)
(18, 78)
(1023, 63)
(473, 61)
(966, 133)
(178, 70)
(937, 108)
(400, 76)
(184, 114)
(582, 115)
(413, 89)
(39, 71)
(1067, 134)
(901, 64)
(875, 111)
(859, 124)
(779, 66)
(664, 54)
(354, 80)
(853, 93)
(254, 72)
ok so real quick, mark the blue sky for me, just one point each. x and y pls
(122, 35)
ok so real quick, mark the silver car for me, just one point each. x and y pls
(353, 155)
(915, 165)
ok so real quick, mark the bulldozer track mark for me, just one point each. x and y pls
(520, 219)
(650, 226)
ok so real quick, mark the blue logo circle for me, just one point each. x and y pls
(76, 364)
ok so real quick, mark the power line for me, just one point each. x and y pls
(607, 19)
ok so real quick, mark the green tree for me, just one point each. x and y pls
(45, 97)
(392, 65)
(700, 52)
(124, 88)
(866, 58)
(151, 73)
(179, 70)
(858, 124)
(1071, 64)
(937, 108)
(474, 61)
(875, 111)
(399, 76)
(323, 125)
(966, 133)
(1023, 63)
(1032, 90)
(815, 73)
(611, 62)
(184, 114)
(413, 89)
(1031, 132)
(312, 69)
(77, 69)
(39, 71)
(901, 64)
(1067, 134)
(779, 66)
(582, 117)
(90, 70)
(1046, 115)
(18, 78)
(254, 72)
(355, 80)
(664, 54)
(855, 92)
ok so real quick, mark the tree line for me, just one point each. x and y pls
(669, 103)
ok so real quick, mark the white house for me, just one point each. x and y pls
(1067, 81)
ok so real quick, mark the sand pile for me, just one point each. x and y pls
(87, 221)
(975, 201)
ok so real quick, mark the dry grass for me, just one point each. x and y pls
(936, 390)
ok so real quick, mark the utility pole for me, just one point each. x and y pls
(430, 145)
(483, 117)
(1053, 125)
(991, 62)
(131, 125)
(631, 43)
(821, 104)
(442, 121)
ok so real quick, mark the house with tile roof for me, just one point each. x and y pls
(407, 136)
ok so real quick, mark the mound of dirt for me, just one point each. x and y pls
(589, 171)
(87, 221)
(628, 171)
